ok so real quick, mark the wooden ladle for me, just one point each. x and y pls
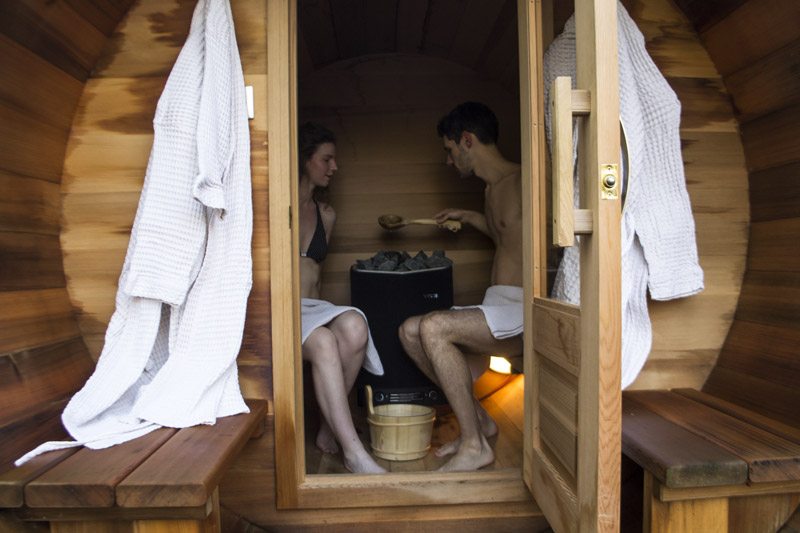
(396, 221)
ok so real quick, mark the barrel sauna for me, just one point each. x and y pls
(79, 81)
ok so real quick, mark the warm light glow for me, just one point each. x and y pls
(500, 365)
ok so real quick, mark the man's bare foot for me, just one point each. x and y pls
(470, 457)
(488, 428)
(362, 463)
(326, 441)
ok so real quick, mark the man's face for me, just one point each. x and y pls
(458, 157)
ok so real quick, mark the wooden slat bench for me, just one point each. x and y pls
(164, 481)
(709, 464)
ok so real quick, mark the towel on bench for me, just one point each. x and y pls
(170, 350)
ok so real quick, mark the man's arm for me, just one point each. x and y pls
(473, 218)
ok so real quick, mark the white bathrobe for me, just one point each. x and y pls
(659, 251)
(170, 350)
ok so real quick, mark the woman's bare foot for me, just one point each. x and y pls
(488, 428)
(470, 457)
(326, 441)
(361, 462)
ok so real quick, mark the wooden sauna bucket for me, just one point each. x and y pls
(399, 431)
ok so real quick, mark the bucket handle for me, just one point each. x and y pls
(368, 390)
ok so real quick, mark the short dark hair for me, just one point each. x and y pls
(473, 117)
(310, 137)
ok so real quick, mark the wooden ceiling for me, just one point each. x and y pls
(478, 34)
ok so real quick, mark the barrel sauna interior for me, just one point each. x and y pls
(79, 81)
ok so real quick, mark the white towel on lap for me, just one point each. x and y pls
(317, 313)
(502, 307)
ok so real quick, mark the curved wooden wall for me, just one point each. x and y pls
(756, 47)
(48, 50)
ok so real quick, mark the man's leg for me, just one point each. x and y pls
(478, 364)
(444, 337)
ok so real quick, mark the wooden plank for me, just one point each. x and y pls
(755, 29)
(55, 32)
(410, 25)
(765, 353)
(667, 494)
(775, 193)
(35, 318)
(474, 30)
(769, 140)
(27, 85)
(103, 16)
(751, 417)
(563, 195)
(89, 477)
(315, 23)
(691, 516)
(363, 26)
(33, 378)
(770, 245)
(21, 436)
(676, 457)
(763, 513)
(705, 104)
(769, 457)
(556, 333)
(770, 298)
(12, 482)
(413, 489)
(769, 84)
(30, 261)
(705, 14)
(284, 287)
(186, 470)
(30, 147)
(29, 205)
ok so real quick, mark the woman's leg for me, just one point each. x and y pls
(322, 350)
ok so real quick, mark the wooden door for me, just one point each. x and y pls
(572, 354)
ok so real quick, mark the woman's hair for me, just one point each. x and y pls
(310, 137)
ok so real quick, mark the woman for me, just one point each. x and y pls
(336, 339)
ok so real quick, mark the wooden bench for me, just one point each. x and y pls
(163, 481)
(710, 464)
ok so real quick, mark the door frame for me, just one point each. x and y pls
(295, 489)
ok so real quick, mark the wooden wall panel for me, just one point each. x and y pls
(749, 33)
(775, 193)
(755, 45)
(46, 52)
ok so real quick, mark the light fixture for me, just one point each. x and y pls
(500, 365)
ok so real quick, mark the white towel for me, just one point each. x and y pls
(659, 250)
(170, 351)
(317, 313)
(502, 307)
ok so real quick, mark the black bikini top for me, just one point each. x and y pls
(318, 247)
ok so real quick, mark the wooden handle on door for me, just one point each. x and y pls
(566, 103)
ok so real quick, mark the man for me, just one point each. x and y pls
(453, 347)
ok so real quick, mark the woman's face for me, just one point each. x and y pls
(321, 166)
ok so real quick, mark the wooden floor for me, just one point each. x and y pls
(504, 405)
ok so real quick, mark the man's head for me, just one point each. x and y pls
(461, 128)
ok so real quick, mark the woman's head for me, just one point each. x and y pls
(317, 150)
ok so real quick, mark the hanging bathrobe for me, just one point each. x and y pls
(169, 357)
(658, 245)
